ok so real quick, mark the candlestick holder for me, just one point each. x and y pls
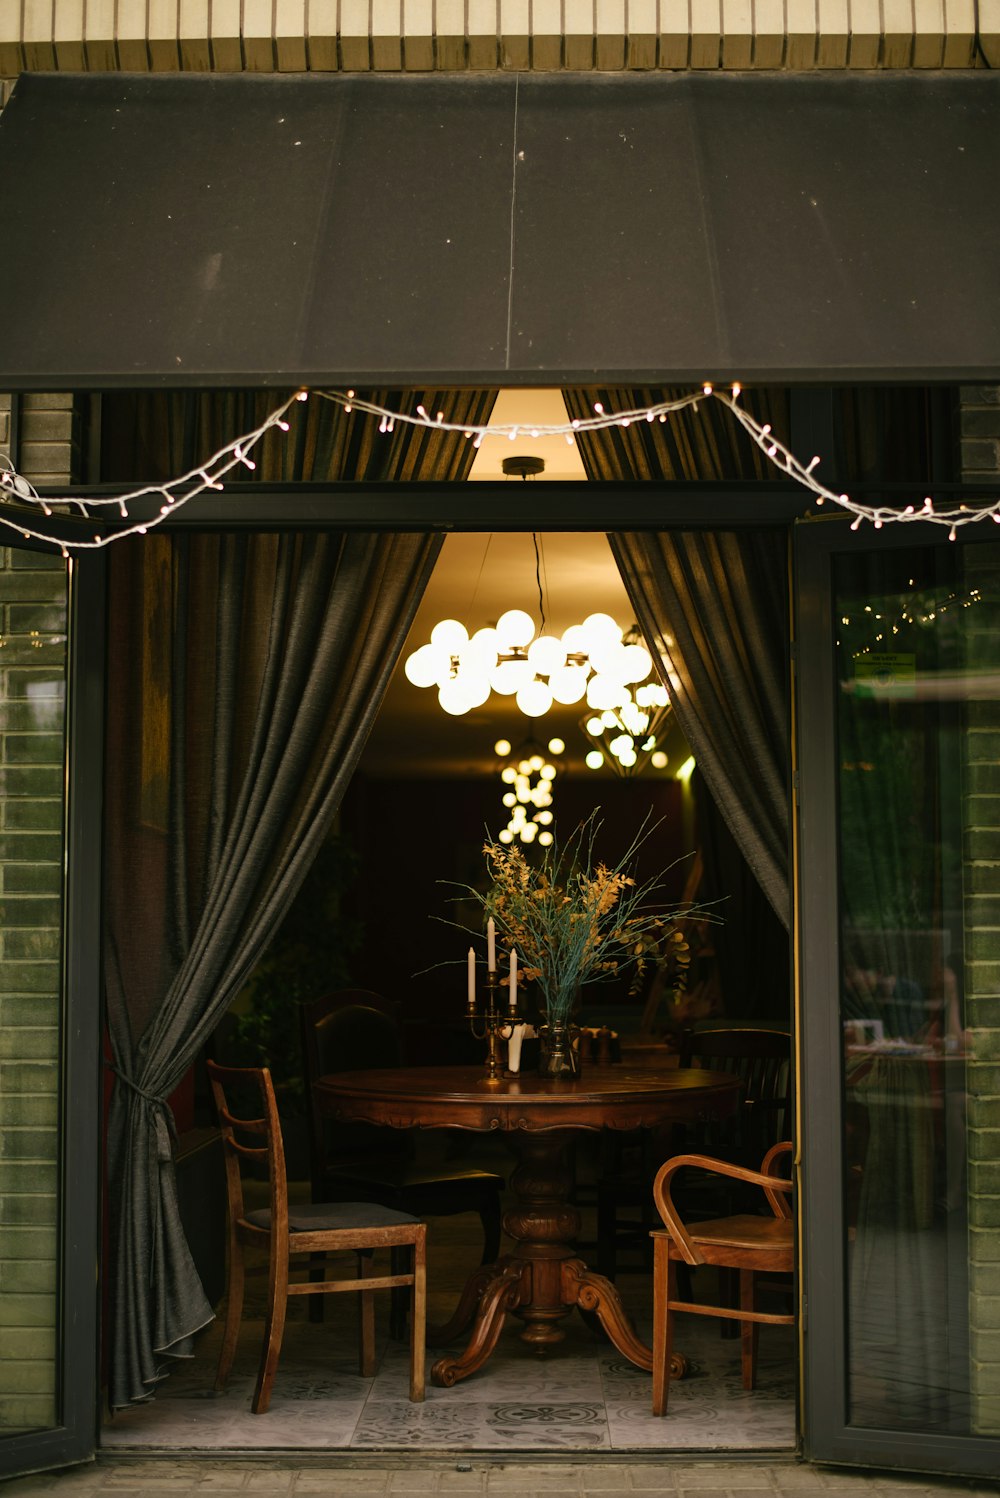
(489, 1022)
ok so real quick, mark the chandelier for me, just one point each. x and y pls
(594, 661)
(528, 778)
(628, 736)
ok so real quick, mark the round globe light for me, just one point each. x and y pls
(545, 838)
(534, 699)
(608, 658)
(548, 772)
(594, 759)
(609, 719)
(568, 684)
(501, 747)
(508, 676)
(515, 627)
(619, 744)
(535, 762)
(603, 693)
(454, 698)
(595, 726)
(599, 628)
(450, 635)
(556, 746)
(658, 760)
(475, 687)
(627, 758)
(545, 818)
(506, 836)
(483, 648)
(638, 662)
(547, 654)
(427, 666)
(574, 640)
(510, 799)
(508, 774)
(528, 832)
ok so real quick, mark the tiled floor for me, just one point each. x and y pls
(585, 1397)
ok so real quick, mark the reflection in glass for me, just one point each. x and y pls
(918, 669)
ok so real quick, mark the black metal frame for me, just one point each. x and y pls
(828, 1435)
(73, 1438)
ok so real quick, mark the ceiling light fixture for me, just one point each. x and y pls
(629, 734)
(594, 660)
(528, 779)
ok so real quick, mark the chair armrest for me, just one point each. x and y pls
(771, 1184)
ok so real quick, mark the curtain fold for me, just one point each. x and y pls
(245, 672)
(713, 607)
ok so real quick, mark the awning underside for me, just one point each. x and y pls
(243, 231)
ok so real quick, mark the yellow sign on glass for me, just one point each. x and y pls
(886, 673)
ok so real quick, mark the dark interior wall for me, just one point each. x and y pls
(417, 836)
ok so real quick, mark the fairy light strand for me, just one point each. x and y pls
(173, 495)
(209, 475)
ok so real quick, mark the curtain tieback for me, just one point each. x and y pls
(164, 1136)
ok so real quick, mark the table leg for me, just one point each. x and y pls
(542, 1280)
(499, 1297)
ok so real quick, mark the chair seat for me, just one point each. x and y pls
(321, 1217)
(746, 1231)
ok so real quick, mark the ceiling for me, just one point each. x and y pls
(477, 577)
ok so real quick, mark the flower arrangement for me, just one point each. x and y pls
(575, 920)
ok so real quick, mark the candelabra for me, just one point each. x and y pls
(492, 1019)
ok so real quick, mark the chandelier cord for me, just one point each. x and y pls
(538, 581)
(482, 569)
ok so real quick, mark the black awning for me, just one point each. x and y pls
(499, 229)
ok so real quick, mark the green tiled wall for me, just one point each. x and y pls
(980, 428)
(32, 703)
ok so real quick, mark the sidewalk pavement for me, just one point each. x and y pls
(406, 1476)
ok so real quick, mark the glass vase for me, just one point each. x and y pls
(558, 1057)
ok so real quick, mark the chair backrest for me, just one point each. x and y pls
(762, 1059)
(251, 1139)
(353, 1029)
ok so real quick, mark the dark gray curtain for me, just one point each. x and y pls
(713, 607)
(156, 435)
(245, 672)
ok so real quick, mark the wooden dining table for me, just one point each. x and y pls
(543, 1278)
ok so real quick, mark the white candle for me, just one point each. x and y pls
(472, 978)
(491, 945)
(513, 979)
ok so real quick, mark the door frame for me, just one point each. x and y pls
(73, 1438)
(827, 1433)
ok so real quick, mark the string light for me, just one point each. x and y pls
(208, 475)
(175, 494)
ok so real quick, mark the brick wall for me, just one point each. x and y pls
(980, 438)
(32, 677)
(448, 35)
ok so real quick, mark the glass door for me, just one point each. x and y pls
(898, 759)
(49, 1119)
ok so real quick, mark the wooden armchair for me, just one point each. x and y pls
(319, 1228)
(762, 1061)
(747, 1243)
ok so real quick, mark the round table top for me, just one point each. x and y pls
(463, 1097)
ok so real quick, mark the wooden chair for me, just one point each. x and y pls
(747, 1243)
(762, 1061)
(354, 1030)
(318, 1228)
